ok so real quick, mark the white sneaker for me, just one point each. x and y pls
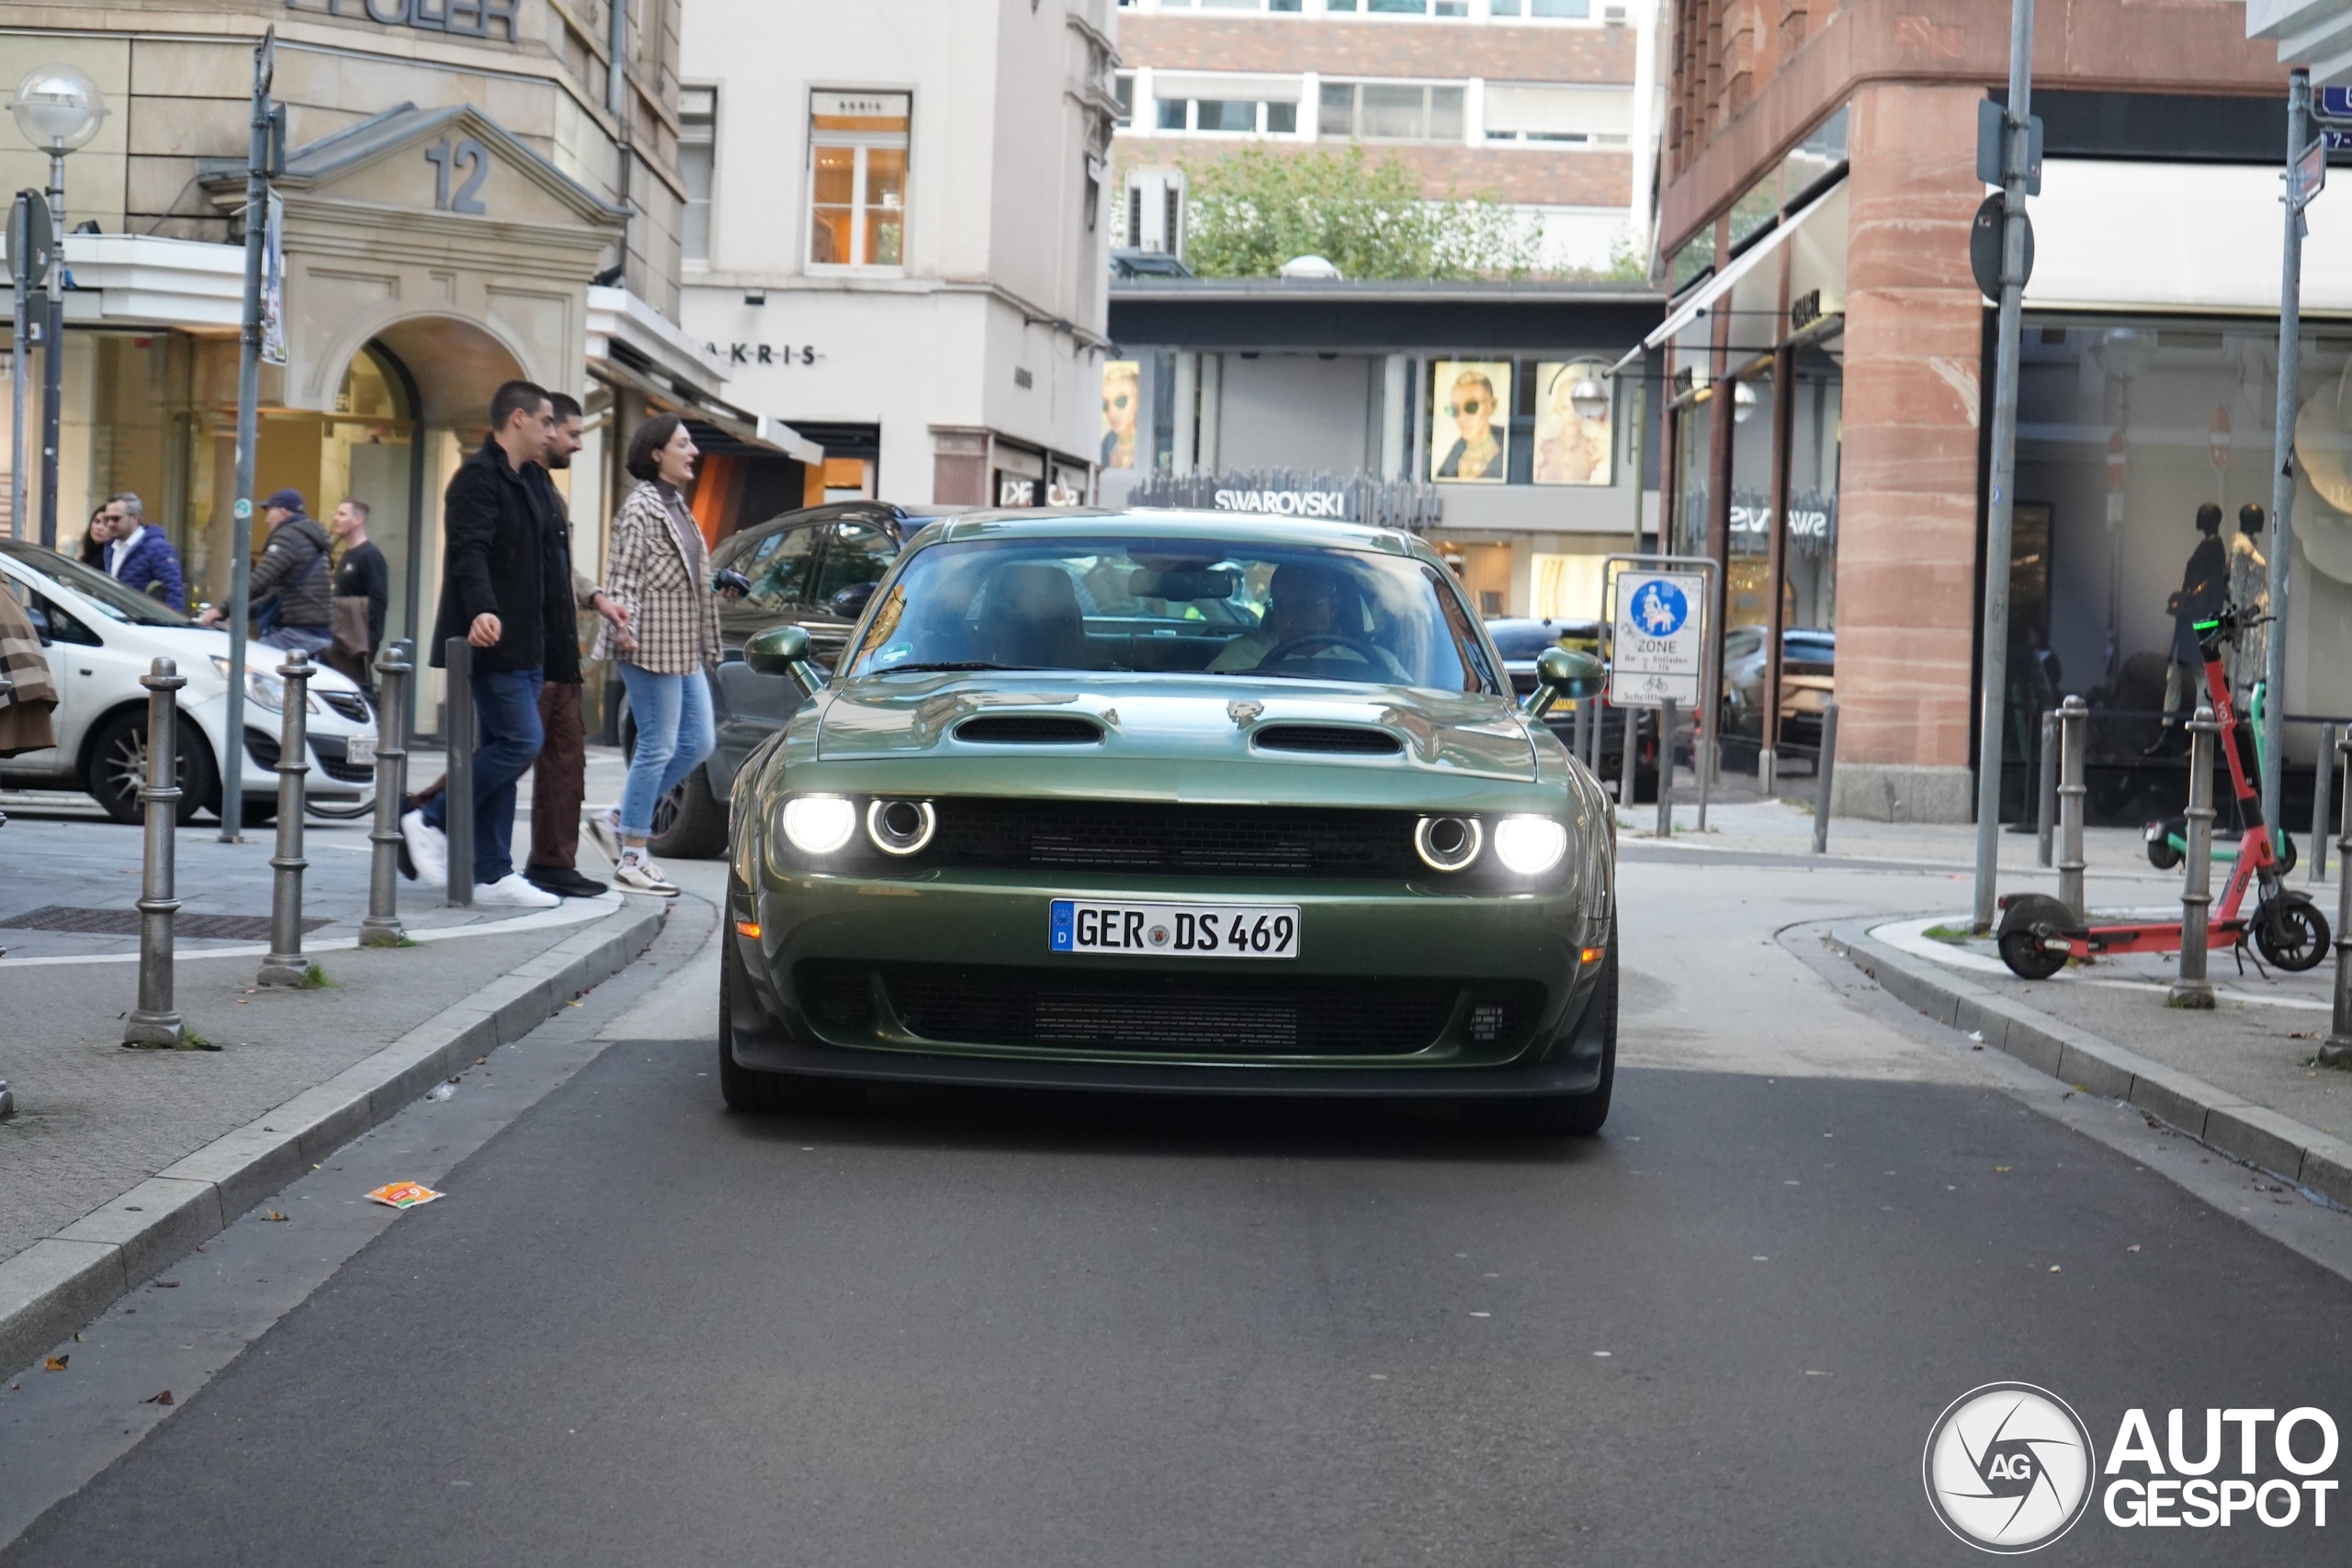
(639, 875)
(511, 892)
(428, 849)
(605, 832)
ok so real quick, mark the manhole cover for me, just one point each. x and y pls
(125, 922)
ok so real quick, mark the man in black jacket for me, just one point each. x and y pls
(294, 570)
(2204, 590)
(506, 587)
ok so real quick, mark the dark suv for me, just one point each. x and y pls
(814, 568)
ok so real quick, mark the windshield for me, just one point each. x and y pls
(113, 600)
(1273, 612)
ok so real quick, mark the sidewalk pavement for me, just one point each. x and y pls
(118, 1161)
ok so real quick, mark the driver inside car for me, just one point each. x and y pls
(1302, 601)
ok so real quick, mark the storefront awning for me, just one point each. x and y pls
(751, 429)
(1726, 280)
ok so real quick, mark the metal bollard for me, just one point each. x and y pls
(2045, 789)
(457, 791)
(382, 926)
(2319, 803)
(2335, 1051)
(2192, 988)
(156, 1022)
(1666, 769)
(284, 966)
(2073, 737)
(1825, 771)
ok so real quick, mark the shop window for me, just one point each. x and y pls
(1243, 115)
(697, 150)
(1402, 7)
(858, 178)
(1390, 111)
(1545, 422)
(1123, 88)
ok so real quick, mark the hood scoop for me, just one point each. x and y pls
(1331, 739)
(1029, 729)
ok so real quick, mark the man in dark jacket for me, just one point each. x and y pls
(506, 587)
(139, 556)
(2204, 590)
(294, 571)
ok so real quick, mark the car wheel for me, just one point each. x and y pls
(752, 1092)
(690, 822)
(117, 769)
(1568, 1115)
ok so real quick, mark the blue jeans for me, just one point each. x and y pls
(506, 713)
(312, 640)
(674, 736)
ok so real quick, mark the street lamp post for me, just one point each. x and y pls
(58, 108)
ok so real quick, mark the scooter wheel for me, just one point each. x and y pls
(2161, 855)
(2020, 939)
(2286, 856)
(2292, 933)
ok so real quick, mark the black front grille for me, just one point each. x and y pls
(1029, 729)
(1223, 1015)
(351, 705)
(1227, 841)
(263, 746)
(335, 760)
(1343, 740)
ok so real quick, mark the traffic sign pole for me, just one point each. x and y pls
(2015, 238)
(2299, 142)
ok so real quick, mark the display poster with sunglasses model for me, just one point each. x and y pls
(1122, 392)
(1570, 449)
(1470, 437)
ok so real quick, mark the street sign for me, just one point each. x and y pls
(1985, 245)
(1992, 120)
(2309, 175)
(1659, 648)
(2335, 103)
(32, 239)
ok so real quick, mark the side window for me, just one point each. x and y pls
(779, 568)
(61, 626)
(860, 553)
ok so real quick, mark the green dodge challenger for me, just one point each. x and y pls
(1171, 802)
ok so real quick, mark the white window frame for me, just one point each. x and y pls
(698, 129)
(1427, 139)
(863, 142)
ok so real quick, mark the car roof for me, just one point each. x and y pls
(1241, 527)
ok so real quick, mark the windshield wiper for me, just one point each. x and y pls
(956, 664)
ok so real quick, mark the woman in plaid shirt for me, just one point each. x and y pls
(660, 569)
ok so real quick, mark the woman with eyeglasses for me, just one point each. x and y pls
(1479, 450)
(1122, 389)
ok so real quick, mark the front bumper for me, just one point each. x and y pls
(1455, 948)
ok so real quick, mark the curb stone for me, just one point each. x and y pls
(2278, 1146)
(62, 1282)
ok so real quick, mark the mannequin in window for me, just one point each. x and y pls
(2250, 593)
(2204, 589)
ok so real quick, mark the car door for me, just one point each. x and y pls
(857, 553)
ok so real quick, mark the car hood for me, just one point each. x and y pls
(1178, 719)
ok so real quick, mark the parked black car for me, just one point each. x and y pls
(1521, 640)
(813, 568)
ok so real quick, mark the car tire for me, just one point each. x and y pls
(690, 822)
(751, 1092)
(1568, 1115)
(118, 758)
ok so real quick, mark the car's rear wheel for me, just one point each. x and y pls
(118, 767)
(1568, 1115)
(752, 1092)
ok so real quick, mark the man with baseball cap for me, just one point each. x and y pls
(295, 572)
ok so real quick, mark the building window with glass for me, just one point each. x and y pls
(1390, 111)
(1562, 10)
(1399, 7)
(697, 146)
(857, 151)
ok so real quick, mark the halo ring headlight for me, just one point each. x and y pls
(900, 826)
(819, 824)
(1448, 843)
(1529, 846)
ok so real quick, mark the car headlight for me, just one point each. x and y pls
(1448, 843)
(1530, 845)
(819, 824)
(266, 691)
(900, 826)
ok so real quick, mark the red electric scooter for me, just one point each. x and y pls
(2039, 933)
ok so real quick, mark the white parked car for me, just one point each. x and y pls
(101, 636)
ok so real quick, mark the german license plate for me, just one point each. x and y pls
(360, 749)
(1175, 930)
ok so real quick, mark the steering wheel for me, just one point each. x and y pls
(1377, 658)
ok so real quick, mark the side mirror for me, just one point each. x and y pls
(1564, 672)
(851, 602)
(784, 651)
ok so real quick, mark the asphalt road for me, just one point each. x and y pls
(964, 1328)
